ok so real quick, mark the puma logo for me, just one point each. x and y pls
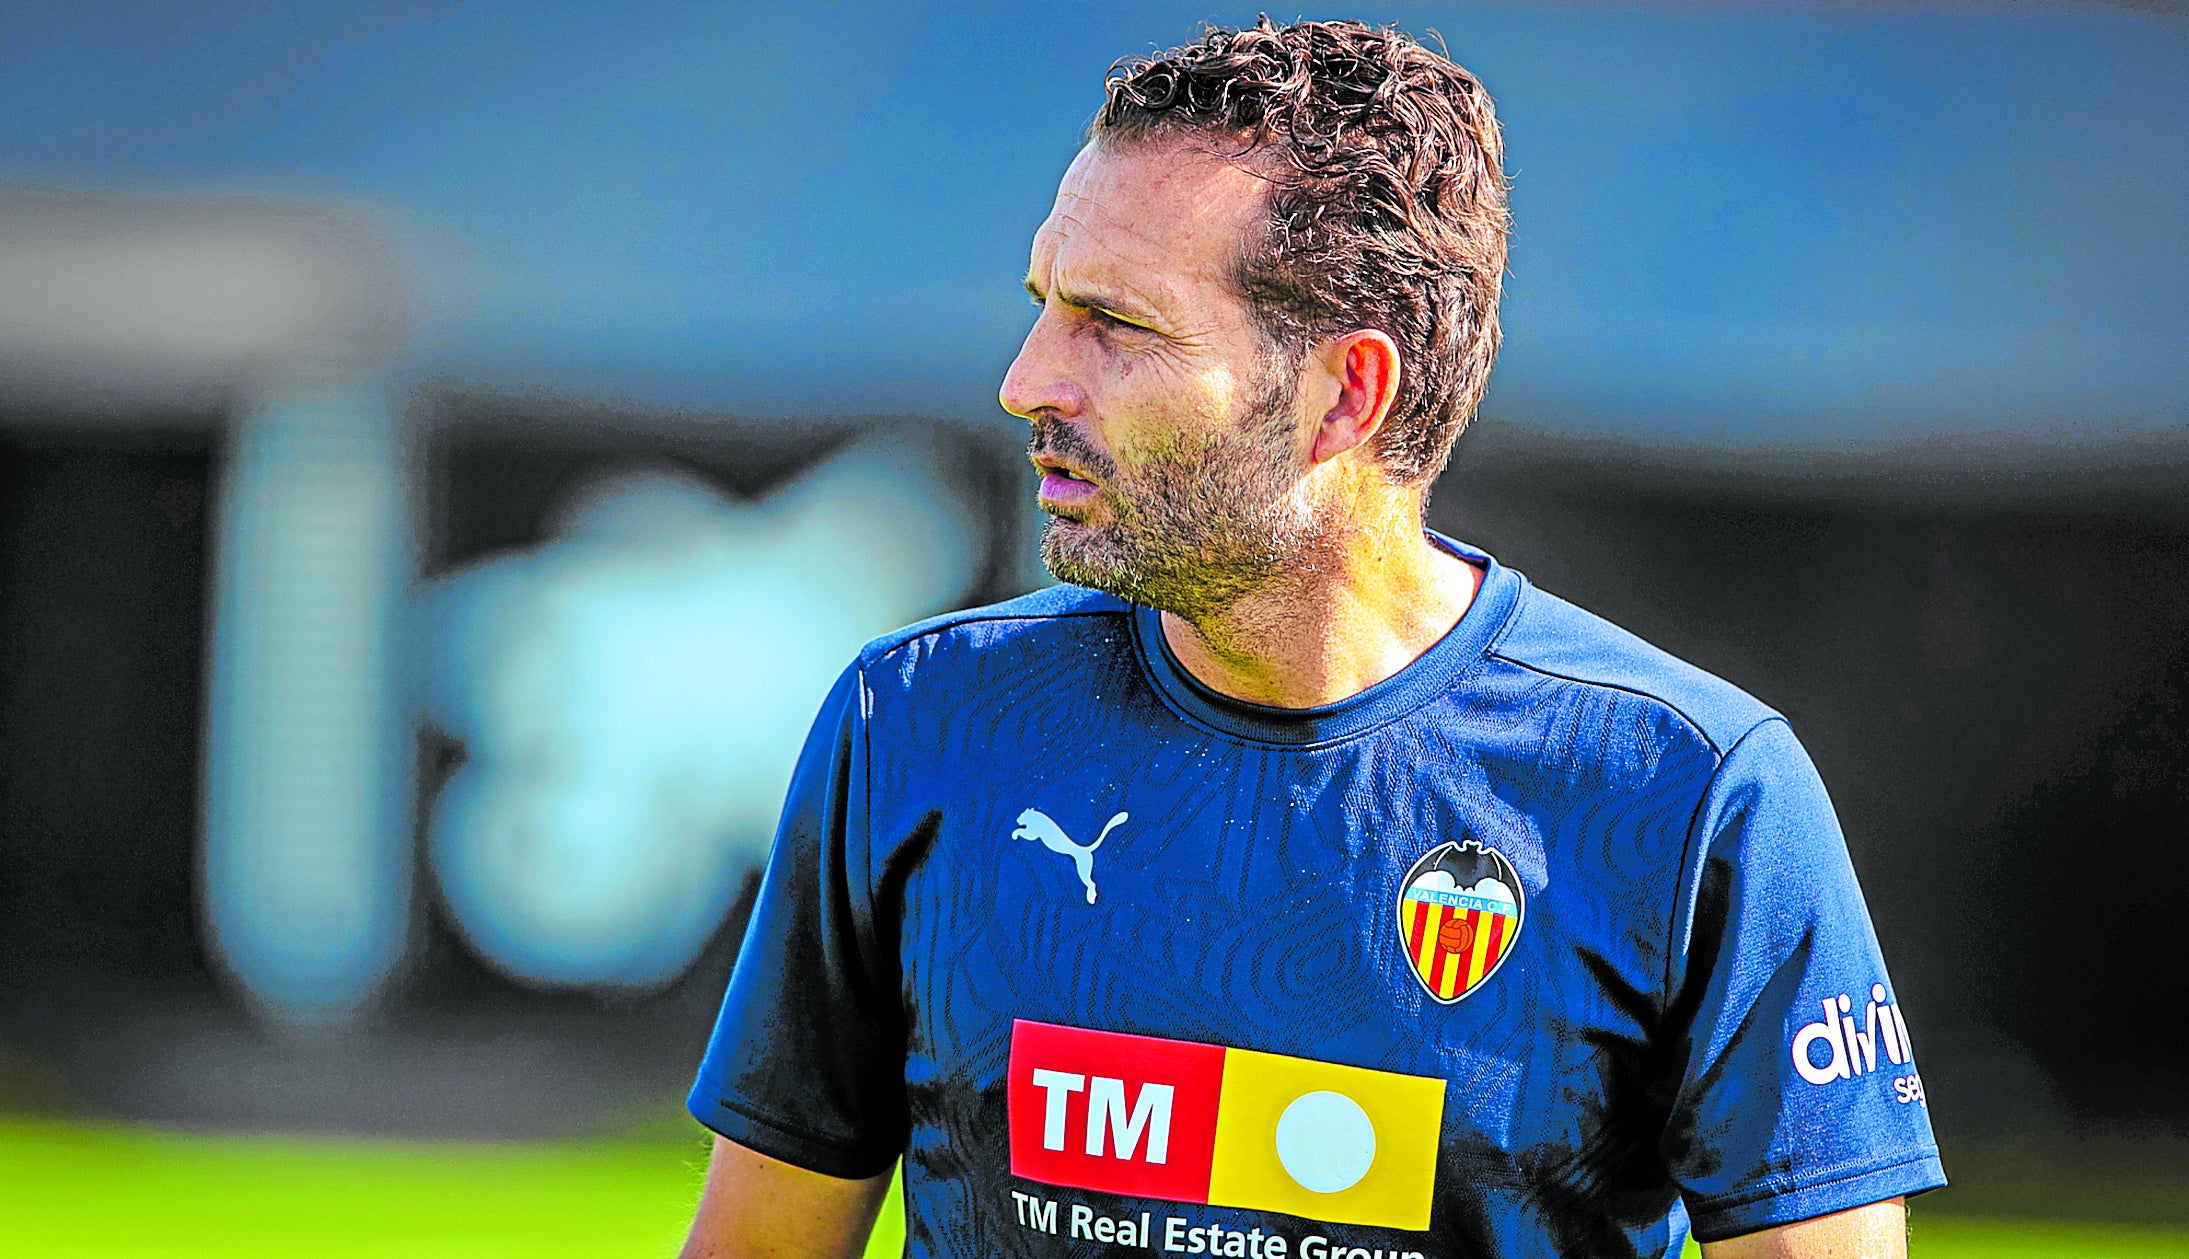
(1034, 824)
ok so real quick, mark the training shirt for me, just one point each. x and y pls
(1547, 944)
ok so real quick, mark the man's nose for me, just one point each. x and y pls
(1041, 378)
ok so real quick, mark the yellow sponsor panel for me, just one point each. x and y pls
(1344, 1145)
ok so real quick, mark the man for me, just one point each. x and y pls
(1318, 889)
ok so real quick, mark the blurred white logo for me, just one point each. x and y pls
(632, 695)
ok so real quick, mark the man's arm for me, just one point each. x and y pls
(1877, 1231)
(756, 1207)
(1770, 932)
(807, 1057)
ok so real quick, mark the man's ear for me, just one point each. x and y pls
(1365, 367)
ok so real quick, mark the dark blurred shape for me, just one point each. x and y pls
(102, 651)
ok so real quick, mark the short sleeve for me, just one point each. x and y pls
(806, 1063)
(1798, 1093)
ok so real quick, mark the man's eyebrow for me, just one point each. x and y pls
(1115, 304)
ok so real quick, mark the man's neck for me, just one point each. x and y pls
(1366, 609)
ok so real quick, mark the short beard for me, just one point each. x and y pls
(1202, 523)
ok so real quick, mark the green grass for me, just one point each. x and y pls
(79, 1191)
(87, 1191)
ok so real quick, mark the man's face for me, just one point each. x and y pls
(1168, 435)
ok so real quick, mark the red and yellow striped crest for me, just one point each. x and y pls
(1460, 911)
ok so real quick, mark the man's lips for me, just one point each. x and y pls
(1062, 486)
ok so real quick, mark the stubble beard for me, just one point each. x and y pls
(1199, 525)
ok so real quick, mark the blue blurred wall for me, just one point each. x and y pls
(1809, 226)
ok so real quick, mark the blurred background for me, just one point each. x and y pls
(447, 451)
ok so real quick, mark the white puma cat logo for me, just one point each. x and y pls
(1034, 824)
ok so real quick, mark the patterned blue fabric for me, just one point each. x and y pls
(1638, 1061)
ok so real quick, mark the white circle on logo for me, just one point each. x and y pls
(1325, 1141)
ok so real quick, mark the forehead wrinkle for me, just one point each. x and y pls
(1158, 225)
(1109, 279)
(1093, 268)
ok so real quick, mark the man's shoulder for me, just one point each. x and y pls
(1554, 639)
(1044, 613)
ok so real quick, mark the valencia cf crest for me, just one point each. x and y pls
(1459, 914)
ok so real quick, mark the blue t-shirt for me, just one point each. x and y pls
(1546, 945)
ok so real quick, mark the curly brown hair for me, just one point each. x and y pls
(1387, 208)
